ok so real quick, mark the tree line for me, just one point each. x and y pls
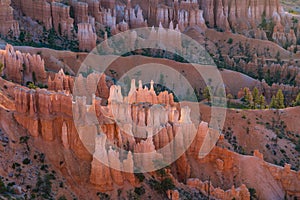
(256, 100)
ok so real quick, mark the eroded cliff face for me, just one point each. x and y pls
(223, 162)
(22, 67)
(142, 122)
(206, 187)
(240, 15)
(86, 36)
(7, 22)
(51, 14)
(61, 82)
(252, 18)
(47, 116)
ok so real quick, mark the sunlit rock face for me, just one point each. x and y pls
(244, 17)
(110, 138)
(22, 67)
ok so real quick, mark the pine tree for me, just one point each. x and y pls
(1, 68)
(273, 102)
(256, 97)
(278, 57)
(248, 97)
(229, 98)
(297, 101)
(262, 101)
(206, 93)
(280, 99)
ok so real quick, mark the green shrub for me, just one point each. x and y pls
(32, 86)
(167, 184)
(103, 196)
(24, 139)
(62, 197)
(15, 165)
(140, 176)
(140, 190)
(298, 146)
(26, 161)
(252, 192)
(2, 186)
(163, 186)
(43, 187)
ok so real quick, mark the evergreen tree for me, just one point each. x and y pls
(1, 68)
(229, 98)
(206, 93)
(273, 102)
(280, 99)
(278, 59)
(260, 73)
(248, 98)
(256, 97)
(268, 78)
(297, 101)
(262, 101)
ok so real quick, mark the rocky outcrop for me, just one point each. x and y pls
(237, 16)
(61, 82)
(173, 194)
(80, 10)
(282, 38)
(94, 83)
(157, 37)
(86, 36)
(37, 10)
(233, 193)
(108, 4)
(135, 19)
(62, 22)
(51, 14)
(147, 95)
(142, 127)
(225, 15)
(7, 22)
(240, 15)
(100, 174)
(49, 115)
(236, 169)
(21, 67)
(185, 14)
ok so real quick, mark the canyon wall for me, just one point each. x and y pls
(61, 20)
(37, 10)
(87, 37)
(22, 67)
(7, 22)
(141, 122)
(226, 168)
(206, 187)
(48, 115)
(51, 14)
(252, 18)
(240, 15)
